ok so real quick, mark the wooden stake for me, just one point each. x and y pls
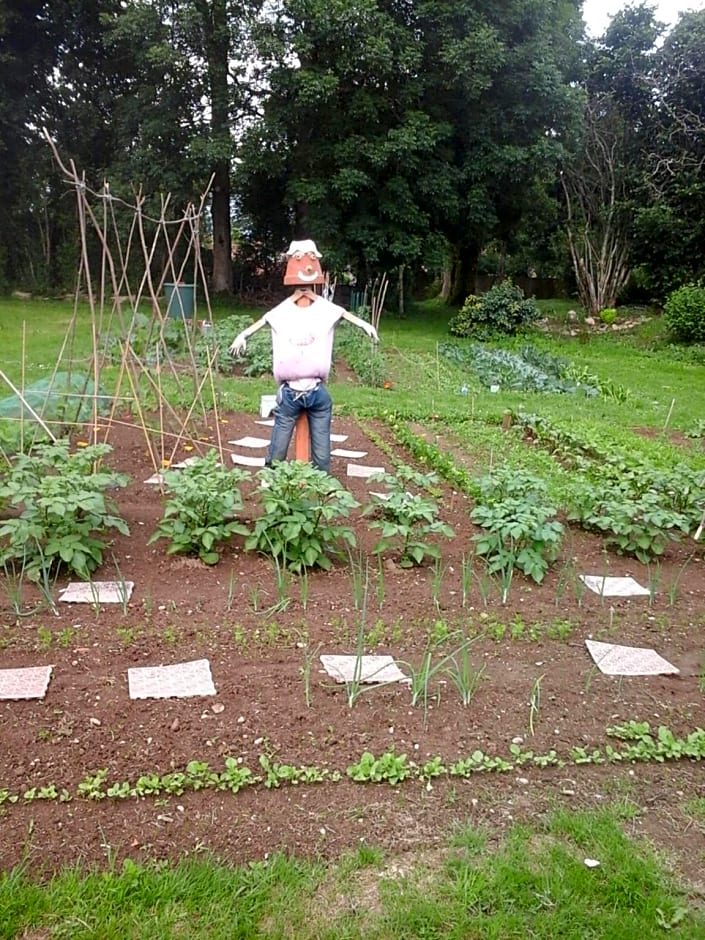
(302, 439)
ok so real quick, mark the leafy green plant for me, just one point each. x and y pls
(503, 309)
(365, 358)
(302, 509)
(149, 339)
(201, 504)
(388, 768)
(684, 313)
(65, 511)
(406, 520)
(632, 525)
(608, 315)
(520, 531)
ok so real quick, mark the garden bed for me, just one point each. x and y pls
(539, 688)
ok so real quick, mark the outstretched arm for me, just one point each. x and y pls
(239, 344)
(363, 324)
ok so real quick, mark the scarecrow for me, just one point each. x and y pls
(302, 351)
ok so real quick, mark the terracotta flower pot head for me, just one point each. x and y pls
(303, 267)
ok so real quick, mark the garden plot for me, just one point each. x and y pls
(262, 629)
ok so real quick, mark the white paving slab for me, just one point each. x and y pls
(29, 682)
(269, 423)
(367, 669)
(614, 587)
(251, 442)
(244, 460)
(97, 592)
(616, 660)
(267, 405)
(360, 470)
(180, 680)
(352, 454)
(339, 438)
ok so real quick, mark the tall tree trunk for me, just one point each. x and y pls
(464, 273)
(217, 47)
(222, 278)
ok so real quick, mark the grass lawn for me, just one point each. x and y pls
(571, 873)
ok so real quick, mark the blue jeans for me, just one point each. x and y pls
(318, 406)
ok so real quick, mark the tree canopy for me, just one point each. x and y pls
(400, 134)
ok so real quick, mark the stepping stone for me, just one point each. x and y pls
(613, 587)
(360, 470)
(97, 592)
(267, 404)
(367, 669)
(251, 442)
(268, 423)
(181, 680)
(245, 460)
(31, 682)
(339, 438)
(353, 454)
(616, 660)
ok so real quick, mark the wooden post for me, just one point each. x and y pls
(302, 439)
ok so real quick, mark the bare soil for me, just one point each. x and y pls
(183, 610)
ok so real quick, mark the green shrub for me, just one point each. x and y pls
(503, 309)
(608, 315)
(64, 512)
(684, 313)
(201, 508)
(466, 319)
(301, 524)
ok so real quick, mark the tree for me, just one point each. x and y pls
(603, 173)
(499, 75)
(669, 231)
(406, 130)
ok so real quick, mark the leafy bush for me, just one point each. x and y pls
(608, 315)
(529, 370)
(637, 525)
(300, 522)
(520, 532)
(503, 309)
(200, 508)
(365, 358)
(215, 346)
(406, 520)
(148, 341)
(684, 313)
(65, 511)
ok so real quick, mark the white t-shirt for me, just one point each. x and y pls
(302, 339)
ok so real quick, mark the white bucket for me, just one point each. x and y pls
(267, 405)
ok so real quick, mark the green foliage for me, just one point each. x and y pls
(684, 313)
(302, 508)
(406, 520)
(503, 309)
(214, 345)
(520, 531)
(608, 315)
(149, 340)
(390, 768)
(364, 357)
(528, 370)
(64, 510)
(201, 506)
(633, 524)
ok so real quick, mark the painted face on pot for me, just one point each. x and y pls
(303, 266)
